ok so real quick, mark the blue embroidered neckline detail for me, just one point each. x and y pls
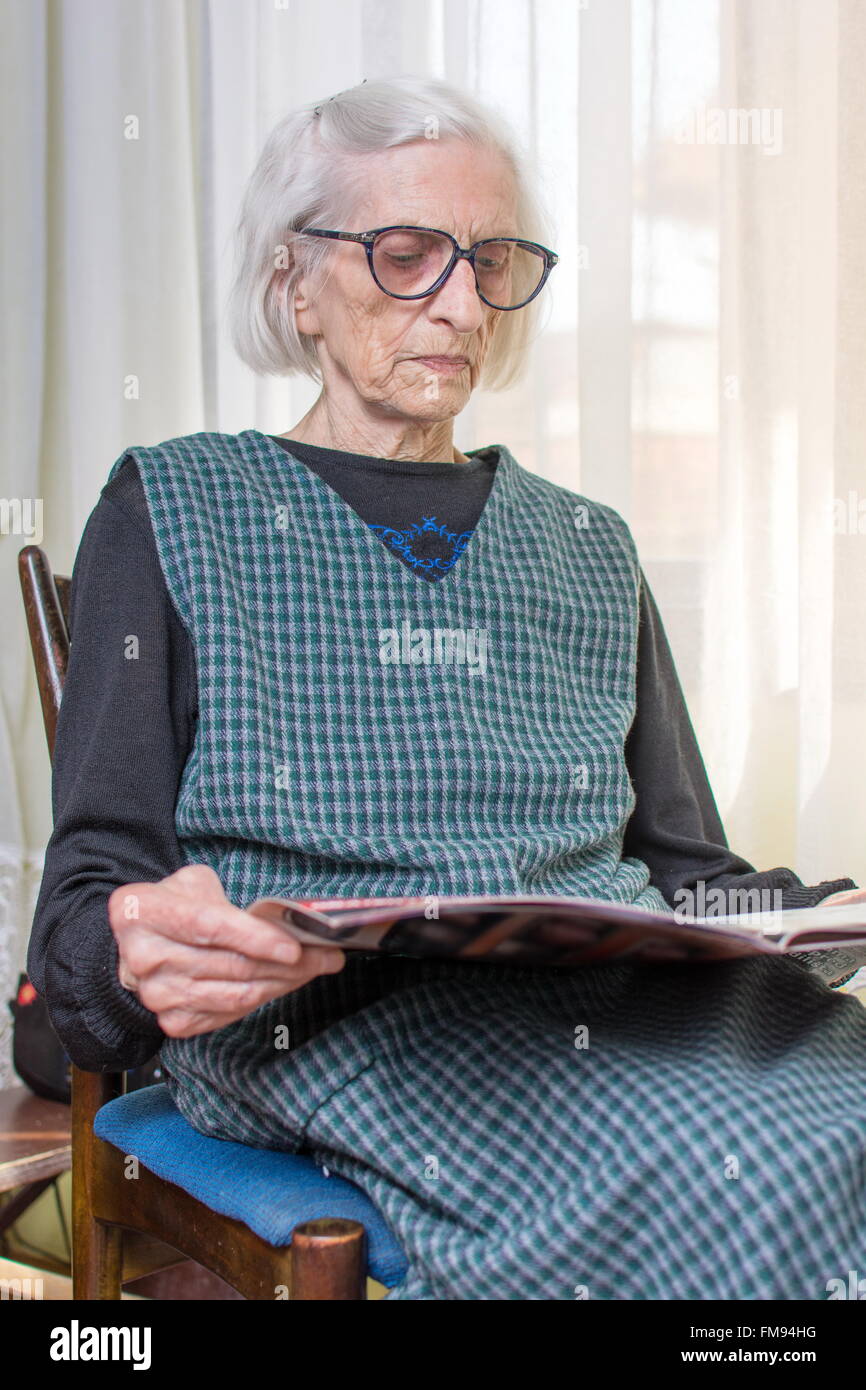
(401, 542)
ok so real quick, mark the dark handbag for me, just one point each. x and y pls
(38, 1055)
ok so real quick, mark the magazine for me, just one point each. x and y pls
(570, 931)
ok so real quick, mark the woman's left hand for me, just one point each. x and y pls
(847, 895)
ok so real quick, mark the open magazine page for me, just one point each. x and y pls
(568, 931)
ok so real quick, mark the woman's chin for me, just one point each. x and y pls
(441, 401)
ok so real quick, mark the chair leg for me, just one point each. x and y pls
(97, 1248)
(97, 1260)
(329, 1260)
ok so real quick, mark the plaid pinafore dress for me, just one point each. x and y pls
(631, 1131)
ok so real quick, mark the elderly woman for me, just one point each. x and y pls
(230, 730)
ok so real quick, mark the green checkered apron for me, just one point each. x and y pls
(619, 1132)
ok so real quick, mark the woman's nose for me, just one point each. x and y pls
(457, 300)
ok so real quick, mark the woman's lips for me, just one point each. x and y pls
(449, 365)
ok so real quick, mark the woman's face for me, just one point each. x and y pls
(372, 345)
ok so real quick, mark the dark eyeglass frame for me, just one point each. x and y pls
(368, 239)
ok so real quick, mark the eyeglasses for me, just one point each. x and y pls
(413, 262)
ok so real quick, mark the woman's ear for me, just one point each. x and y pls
(306, 318)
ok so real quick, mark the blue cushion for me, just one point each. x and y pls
(270, 1191)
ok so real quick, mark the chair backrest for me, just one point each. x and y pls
(46, 607)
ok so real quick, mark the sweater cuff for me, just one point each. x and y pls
(801, 895)
(110, 1012)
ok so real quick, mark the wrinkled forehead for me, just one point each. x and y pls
(454, 185)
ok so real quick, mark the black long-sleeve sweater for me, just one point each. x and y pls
(120, 749)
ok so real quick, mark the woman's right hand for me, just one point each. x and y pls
(197, 961)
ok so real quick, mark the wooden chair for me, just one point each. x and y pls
(35, 1148)
(151, 1219)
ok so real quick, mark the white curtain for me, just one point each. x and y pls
(701, 367)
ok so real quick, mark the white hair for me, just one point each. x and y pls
(309, 174)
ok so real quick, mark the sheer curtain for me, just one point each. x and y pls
(700, 367)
